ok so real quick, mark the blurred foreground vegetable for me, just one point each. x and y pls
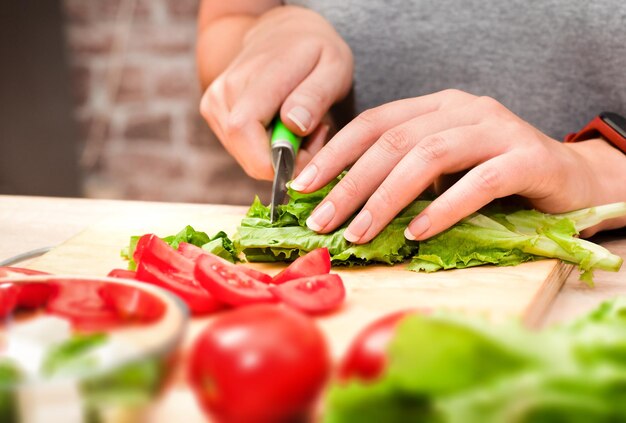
(447, 368)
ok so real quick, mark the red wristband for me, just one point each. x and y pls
(610, 126)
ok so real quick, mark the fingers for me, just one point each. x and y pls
(445, 152)
(358, 136)
(305, 106)
(495, 178)
(378, 162)
(241, 106)
(311, 146)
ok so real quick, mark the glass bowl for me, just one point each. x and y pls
(75, 348)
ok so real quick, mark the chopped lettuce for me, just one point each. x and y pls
(219, 244)
(489, 236)
(449, 368)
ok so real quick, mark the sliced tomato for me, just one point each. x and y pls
(230, 285)
(198, 299)
(83, 306)
(141, 245)
(313, 294)
(316, 262)
(192, 252)
(122, 273)
(160, 254)
(8, 299)
(10, 271)
(132, 304)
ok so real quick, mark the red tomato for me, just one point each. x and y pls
(262, 363)
(132, 304)
(9, 271)
(159, 253)
(8, 299)
(198, 299)
(122, 273)
(316, 262)
(192, 252)
(313, 294)
(366, 358)
(81, 303)
(230, 285)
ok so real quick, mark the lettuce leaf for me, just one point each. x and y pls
(491, 236)
(451, 368)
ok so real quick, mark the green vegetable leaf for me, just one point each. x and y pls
(72, 356)
(453, 368)
(495, 235)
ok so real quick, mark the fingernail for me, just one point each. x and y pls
(417, 228)
(301, 117)
(305, 178)
(321, 217)
(359, 226)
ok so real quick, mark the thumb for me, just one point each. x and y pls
(304, 108)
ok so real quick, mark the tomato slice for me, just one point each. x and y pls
(123, 274)
(230, 285)
(192, 252)
(313, 294)
(159, 253)
(316, 262)
(9, 271)
(83, 306)
(198, 299)
(8, 299)
(131, 303)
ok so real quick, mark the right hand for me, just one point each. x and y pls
(292, 60)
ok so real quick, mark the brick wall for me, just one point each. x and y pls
(137, 95)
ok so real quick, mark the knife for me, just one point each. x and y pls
(284, 145)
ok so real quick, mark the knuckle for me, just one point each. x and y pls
(395, 141)
(445, 207)
(489, 104)
(384, 195)
(313, 93)
(235, 123)
(488, 178)
(368, 119)
(432, 148)
(349, 187)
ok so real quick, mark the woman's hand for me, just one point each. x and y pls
(400, 148)
(292, 60)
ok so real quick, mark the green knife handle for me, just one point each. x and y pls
(281, 135)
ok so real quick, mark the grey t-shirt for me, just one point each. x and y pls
(556, 63)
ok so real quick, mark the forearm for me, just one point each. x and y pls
(222, 27)
(219, 43)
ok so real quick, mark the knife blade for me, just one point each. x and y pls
(284, 145)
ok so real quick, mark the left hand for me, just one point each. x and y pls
(400, 148)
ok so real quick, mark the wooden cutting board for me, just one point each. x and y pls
(523, 291)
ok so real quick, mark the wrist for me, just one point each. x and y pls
(599, 175)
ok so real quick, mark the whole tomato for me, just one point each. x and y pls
(261, 363)
(366, 358)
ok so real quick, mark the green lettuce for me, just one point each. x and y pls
(490, 236)
(451, 368)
